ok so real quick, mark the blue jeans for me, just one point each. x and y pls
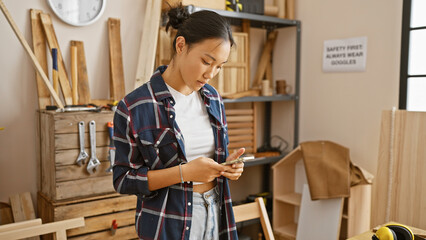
(205, 215)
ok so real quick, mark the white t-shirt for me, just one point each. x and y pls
(194, 123)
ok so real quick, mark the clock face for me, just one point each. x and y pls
(78, 12)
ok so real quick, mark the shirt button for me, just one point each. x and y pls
(171, 116)
(158, 142)
(189, 204)
(219, 149)
(218, 128)
(187, 228)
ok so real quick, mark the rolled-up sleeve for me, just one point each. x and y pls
(129, 171)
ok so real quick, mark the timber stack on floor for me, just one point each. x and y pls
(68, 190)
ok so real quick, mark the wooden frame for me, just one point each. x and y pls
(255, 210)
(35, 228)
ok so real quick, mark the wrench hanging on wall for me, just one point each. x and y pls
(83, 154)
(93, 162)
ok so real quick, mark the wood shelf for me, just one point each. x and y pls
(287, 231)
(291, 198)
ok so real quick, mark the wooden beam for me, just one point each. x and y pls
(83, 82)
(117, 91)
(53, 43)
(148, 45)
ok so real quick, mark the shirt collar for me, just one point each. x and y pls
(161, 91)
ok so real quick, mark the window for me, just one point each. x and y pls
(412, 91)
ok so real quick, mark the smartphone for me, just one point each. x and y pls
(238, 160)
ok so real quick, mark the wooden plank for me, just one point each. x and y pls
(282, 11)
(74, 73)
(239, 118)
(84, 188)
(265, 58)
(246, 212)
(289, 8)
(22, 207)
(239, 144)
(20, 225)
(240, 138)
(264, 219)
(53, 43)
(245, 27)
(6, 215)
(359, 210)
(57, 227)
(103, 222)
(95, 208)
(148, 45)
(68, 122)
(240, 125)
(71, 140)
(240, 131)
(230, 112)
(83, 82)
(39, 48)
(321, 217)
(407, 182)
(48, 170)
(117, 90)
(121, 233)
(30, 53)
(75, 172)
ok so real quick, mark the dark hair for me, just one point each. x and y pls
(198, 26)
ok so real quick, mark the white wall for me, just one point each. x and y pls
(346, 107)
(18, 94)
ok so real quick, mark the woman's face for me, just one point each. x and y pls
(202, 61)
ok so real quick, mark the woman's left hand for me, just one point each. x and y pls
(234, 171)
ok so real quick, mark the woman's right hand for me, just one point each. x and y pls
(202, 169)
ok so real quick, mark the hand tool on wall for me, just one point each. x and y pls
(39, 47)
(117, 91)
(83, 82)
(31, 54)
(74, 75)
(83, 154)
(53, 43)
(146, 59)
(111, 152)
(93, 162)
(55, 70)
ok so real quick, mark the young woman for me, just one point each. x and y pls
(171, 138)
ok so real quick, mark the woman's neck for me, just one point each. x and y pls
(173, 78)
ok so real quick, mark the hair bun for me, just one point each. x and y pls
(177, 16)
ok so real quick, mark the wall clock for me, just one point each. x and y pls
(78, 12)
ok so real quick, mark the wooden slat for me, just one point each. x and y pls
(20, 225)
(281, 4)
(94, 208)
(23, 209)
(248, 150)
(240, 131)
(148, 45)
(71, 140)
(230, 112)
(74, 74)
(240, 138)
(58, 227)
(121, 233)
(240, 125)
(265, 58)
(68, 157)
(68, 122)
(289, 8)
(75, 172)
(239, 144)
(53, 43)
(84, 187)
(83, 81)
(117, 91)
(246, 212)
(39, 48)
(241, 118)
(103, 222)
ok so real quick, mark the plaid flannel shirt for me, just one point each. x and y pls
(146, 137)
